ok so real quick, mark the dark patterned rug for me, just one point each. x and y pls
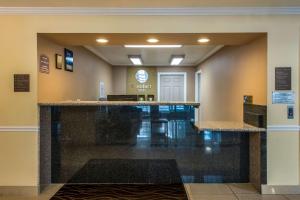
(121, 192)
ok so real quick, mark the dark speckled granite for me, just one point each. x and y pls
(83, 134)
(255, 115)
(128, 171)
(258, 159)
(45, 147)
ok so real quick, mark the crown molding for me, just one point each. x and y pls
(200, 11)
(97, 53)
(19, 128)
(209, 54)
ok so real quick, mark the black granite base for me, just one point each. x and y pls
(128, 171)
(83, 136)
(121, 192)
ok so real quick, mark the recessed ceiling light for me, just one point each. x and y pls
(136, 59)
(153, 46)
(152, 40)
(203, 40)
(176, 60)
(102, 40)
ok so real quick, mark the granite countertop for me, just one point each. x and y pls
(118, 103)
(226, 126)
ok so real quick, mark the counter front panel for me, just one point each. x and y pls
(137, 144)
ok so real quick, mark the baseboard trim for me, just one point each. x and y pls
(19, 128)
(280, 189)
(19, 190)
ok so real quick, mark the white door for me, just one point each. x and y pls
(172, 87)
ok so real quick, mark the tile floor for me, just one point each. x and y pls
(46, 195)
(230, 192)
(194, 191)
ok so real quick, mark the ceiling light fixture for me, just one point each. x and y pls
(176, 59)
(136, 59)
(153, 40)
(102, 40)
(153, 46)
(203, 40)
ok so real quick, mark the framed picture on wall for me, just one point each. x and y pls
(58, 61)
(68, 60)
(44, 64)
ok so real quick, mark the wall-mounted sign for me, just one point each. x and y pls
(21, 82)
(102, 90)
(58, 61)
(69, 60)
(143, 87)
(283, 97)
(44, 64)
(283, 76)
(248, 99)
(141, 76)
(141, 80)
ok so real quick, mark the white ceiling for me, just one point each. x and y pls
(118, 55)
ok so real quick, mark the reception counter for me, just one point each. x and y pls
(139, 142)
(231, 126)
(74, 135)
(119, 103)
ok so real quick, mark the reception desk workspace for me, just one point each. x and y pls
(113, 142)
(251, 145)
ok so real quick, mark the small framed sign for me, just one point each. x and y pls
(68, 60)
(102, 90)
(44, 64)
(21, 82)
(248, 99)
(283, 78)
(58, 61)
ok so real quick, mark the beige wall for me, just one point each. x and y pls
(121, 79)
(18, 52)
(82, 83)
(19, 158)
(151, 83)
(229, 75)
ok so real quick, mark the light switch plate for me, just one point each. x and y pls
(290, 112)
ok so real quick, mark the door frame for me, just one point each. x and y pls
(197, 94)
(197, 89)
(172, 73)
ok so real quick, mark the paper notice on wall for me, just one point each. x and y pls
(102, 90)
(283, 97)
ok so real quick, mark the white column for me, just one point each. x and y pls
(283, 145)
